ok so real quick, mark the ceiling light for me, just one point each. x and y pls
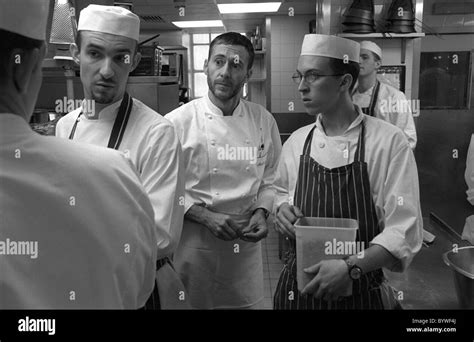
(199, 23)
(249, 7)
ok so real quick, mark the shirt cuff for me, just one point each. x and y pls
(264, 200)
(397, 245)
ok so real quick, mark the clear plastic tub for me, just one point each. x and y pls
(321, 238)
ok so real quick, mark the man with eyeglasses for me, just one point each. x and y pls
(347, 165)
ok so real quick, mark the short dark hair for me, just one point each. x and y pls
(234, 38)
(10, 41)
(338, 66)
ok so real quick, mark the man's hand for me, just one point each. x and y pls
(285, 218)
(256, 229)
(331, 280)
(221, 225)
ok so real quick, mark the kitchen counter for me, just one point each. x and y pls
(428, 282)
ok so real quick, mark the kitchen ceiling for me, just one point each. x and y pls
(157, 15)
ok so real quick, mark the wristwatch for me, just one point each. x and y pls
(355, 271)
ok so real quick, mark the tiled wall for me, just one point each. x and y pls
(287, 35)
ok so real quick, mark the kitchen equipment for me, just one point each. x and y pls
(461, 261)
(151, 57)
(321, 238)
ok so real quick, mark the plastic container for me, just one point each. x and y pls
(320, 238)
(461, 262)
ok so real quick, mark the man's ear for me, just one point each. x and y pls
(346, 82)
(136, 61)
(23, 63)
(249, 74)
(74, 49)
(378, 63)
(205, 66)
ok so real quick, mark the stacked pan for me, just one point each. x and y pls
(400, 17)
(359, 18)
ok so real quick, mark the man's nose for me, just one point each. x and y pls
(303, 87)
(225, 71)
(106, 70)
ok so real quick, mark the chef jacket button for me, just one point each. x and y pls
(213, 142)
(209, 117)
(321, 145)
(247, 168)
(247, 141)
(214, 170)
(217, 194)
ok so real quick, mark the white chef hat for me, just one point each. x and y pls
(371, 46)
(330, 46)
(109, 19)
(28, 18)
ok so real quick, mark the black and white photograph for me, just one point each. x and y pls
(176, 160)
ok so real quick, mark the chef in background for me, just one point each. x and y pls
(106, 51)
(77, 228)
(231, 149)
(378, 98)
(346, 165)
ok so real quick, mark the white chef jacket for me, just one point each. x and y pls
(91, 218)
(226, 185)
(230, 167)
(153, 146)
(389, 100)
(393, 178)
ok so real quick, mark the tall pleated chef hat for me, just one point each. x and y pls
(330, 46)
(28, 18)
(109, 19)
(371, 46)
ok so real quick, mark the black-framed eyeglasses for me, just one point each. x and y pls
(310, 76)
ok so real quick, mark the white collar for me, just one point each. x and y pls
(106, 114)
(213, 109)
(357, 121)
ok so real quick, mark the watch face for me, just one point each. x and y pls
(355, 273)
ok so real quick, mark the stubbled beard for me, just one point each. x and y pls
(234, 92)
(102, 98)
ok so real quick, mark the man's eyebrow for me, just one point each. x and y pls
(101, 48)
(309, 70)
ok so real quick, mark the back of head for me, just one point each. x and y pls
(234, 38)
(22, 34)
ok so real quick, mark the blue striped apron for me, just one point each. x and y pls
(342, 192)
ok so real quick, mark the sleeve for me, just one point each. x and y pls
(403, 117)
(402, 224)
(162, 174)
(138, 278)
(266, 190)
(282, 179)
(469, 174)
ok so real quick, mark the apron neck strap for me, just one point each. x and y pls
(120, 122)
(307, 143)
(360, 151)
(373, 99)
(119, 125)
